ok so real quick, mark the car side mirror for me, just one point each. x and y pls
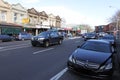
(78, 46)
(115, 52)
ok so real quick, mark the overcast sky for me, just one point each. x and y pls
(92, 12)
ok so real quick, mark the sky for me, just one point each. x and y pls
(91, 12)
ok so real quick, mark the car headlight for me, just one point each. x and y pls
(71, 59)
(41, 38)
(93, 37)
(108, 66)
(32, 38)
(105, 67)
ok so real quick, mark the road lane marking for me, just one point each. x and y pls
(1, 47)
(43, 50)
(15, 45)
(13, 48)
(57, 76)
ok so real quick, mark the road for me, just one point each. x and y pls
(20, 61)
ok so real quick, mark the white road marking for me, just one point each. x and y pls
(57, 76)
(13, 48)
(16, 45)
(43, 50)
(1, 47)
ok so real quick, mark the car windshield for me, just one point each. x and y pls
(96, 46)
(43, 34)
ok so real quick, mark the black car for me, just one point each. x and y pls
(110, 38)
(94, 59)
(47, 38)
(90, 36)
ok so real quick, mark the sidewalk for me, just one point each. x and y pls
(118, 51)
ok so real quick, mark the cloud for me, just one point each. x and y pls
(30, 1)
(69, 15)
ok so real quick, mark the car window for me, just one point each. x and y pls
(42, 34)
(95, 46)
(23, 33)
(55, 34)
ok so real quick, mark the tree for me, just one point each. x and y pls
(86, 27)
(115, 17)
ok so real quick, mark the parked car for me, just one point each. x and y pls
(47, 38)
(5, 38)
(94, 59)
(109, 38)
(90, 36)
(83, 35)
(101, 34)
(24, 36)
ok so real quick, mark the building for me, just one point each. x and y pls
(99, 28)
(6, 24)
(15, 16)
(18, 13)
(58, 22)
(33, 16)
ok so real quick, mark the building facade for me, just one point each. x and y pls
(18, 13)
(16, 18)
(58, 22)
(6, 24)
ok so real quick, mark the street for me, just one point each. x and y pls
(20, 61)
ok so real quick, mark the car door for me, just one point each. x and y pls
(57, 38)
(52, 38)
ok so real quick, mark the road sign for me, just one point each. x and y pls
(25, 20)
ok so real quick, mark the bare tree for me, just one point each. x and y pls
(116, 18)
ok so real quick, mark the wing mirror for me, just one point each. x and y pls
(114, 51)
(78, 46)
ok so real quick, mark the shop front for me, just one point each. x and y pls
(10, 29)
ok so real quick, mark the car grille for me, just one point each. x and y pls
(87, 64)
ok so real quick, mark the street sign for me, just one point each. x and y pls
(25, 20)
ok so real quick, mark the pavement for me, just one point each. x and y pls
(118, 52)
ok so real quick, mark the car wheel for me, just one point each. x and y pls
(46, 44)
(60, 42)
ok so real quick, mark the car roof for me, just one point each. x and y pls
(99, 41)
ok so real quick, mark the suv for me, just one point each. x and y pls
(46, 38)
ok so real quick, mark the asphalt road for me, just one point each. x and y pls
(20, 61)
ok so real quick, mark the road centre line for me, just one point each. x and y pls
(57, 76)
(43, 50)
(15, 45)
(1, 47)
(13, 48)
